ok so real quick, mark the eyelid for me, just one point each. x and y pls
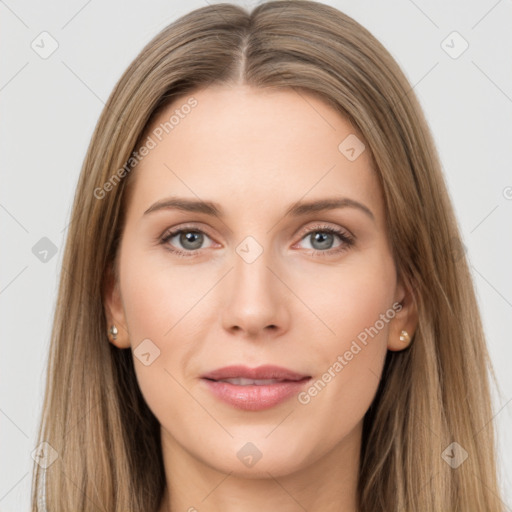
(324, 225)
(302, 231)
(171, 232)
(346, 236)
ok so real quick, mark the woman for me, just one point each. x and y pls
(347, 374)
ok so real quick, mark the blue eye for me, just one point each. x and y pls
(191, 240)
(323, 237)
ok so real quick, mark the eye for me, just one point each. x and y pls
(322, 238)
(190, 239)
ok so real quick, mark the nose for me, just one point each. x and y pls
(257, 300)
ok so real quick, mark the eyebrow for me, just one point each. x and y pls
(295, 210)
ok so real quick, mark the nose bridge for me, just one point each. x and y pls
(254, 301)
(251, 264)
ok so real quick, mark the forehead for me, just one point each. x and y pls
(241, 145)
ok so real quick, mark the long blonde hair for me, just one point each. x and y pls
(436, 392)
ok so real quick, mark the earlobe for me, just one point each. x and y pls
(115, 330)
(405, 323)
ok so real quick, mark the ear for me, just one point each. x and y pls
(114, 309)
(406, 317)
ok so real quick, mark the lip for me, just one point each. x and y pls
(261, 372)
(254, 397)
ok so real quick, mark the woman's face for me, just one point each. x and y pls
(227, 259)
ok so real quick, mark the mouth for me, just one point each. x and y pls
(251, 382)
(254, 389)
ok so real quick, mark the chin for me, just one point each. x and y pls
(257, 458)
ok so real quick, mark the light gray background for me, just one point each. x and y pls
(50, 107)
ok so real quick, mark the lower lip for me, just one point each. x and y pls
(255, 398)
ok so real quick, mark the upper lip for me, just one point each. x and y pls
(261, 372)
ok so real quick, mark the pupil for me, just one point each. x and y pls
(324, 239)
(189, 238)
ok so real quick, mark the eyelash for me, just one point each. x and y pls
(346, 239)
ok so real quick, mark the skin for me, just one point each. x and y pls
(256, 152)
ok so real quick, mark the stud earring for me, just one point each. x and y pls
(404, 337)
(112, 332)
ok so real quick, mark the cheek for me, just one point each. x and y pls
(345, 300)
(164, 309)
(158, 294)
(355, 306)
(157, 321)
